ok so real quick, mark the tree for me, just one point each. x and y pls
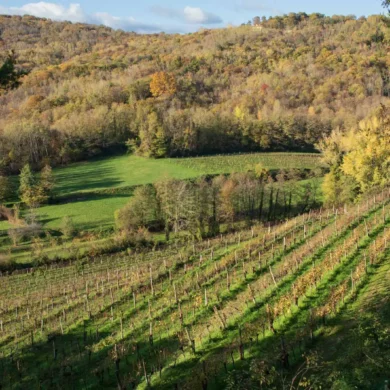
(163, 84)
(227, 201)
(359, 159)
(27, 185)
(47, 181)
(337, 188)
(368, 160)
(67, 227)
(178, 204)
(256, 21)
(152, 136)
(386, 4)
(141, 211)
(4, 188)
(8, 75)
(31, 192)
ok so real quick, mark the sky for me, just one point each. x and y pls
(181, 16)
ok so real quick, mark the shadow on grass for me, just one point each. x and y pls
(85, 177)
(84, 358)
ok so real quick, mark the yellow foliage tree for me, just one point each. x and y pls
(368, 162)
(162, 84)
(359, 159)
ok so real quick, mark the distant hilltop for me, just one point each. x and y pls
(73, 91)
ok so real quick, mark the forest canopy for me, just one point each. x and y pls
(283, 84)
(359, 159)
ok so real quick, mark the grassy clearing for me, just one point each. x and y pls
(129, 170)
(90, 193)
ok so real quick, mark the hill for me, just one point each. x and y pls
(283, 86)
(301, 303)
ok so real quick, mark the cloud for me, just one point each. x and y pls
(75, 13)
(190, 15)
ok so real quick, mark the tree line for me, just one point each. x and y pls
(34, 190)
(206, 206)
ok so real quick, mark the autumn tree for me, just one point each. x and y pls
(338, 188)
(163, 84)
(141, 211)
(179, 206)
(368, 160)
(359, 159)
(152, 137)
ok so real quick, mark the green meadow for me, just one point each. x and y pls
(91, 191)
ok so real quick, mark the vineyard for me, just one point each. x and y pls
(186, 316)
(242, 162)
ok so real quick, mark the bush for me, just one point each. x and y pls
(67, 227)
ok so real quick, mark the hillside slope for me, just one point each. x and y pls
(280, 86)
(261, 308)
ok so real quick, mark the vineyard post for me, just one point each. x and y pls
(175, 292)
(121, 319)
(151, 334)
(241, 347)
(227, 279)
(365, 263)
(352, 282)
(273, 277)
(151, 280)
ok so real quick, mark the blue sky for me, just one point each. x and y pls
(179, 15)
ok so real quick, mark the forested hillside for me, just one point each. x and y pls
(281, 85)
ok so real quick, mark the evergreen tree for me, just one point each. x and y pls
(47, 181)
(30, 192)
(27, 183)
(8, 74)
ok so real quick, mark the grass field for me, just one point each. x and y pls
(229, 311)
(88, 191)
(129, 170)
